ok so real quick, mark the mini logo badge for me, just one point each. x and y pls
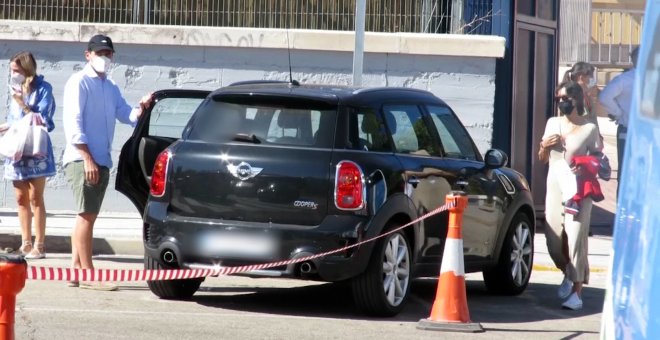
(243, 171)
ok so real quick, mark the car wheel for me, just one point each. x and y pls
(382, 290)
(171, 289)
(514, 268)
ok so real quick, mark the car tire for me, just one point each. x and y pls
(171, 289)
(511, 274)
(383, 288)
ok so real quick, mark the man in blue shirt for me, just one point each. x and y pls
(616, 98)
(92, 104)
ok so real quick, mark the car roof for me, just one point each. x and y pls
(331, 94)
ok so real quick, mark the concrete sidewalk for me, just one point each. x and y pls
(114, 233)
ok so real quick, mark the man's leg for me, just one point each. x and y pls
(88, 200)
(82, 239)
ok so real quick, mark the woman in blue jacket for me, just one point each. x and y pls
(30, 94)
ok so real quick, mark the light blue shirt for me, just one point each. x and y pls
(91, 107)
(616, 97)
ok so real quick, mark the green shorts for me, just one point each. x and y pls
(88, 197)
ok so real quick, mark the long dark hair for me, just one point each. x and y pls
(580, 68)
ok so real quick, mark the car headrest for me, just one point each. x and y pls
(391, 122)
(288, 120)
(370, 124)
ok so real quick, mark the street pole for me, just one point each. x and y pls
(358, 53)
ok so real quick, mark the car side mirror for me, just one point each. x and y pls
(495, 159)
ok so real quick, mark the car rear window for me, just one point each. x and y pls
(264, 123)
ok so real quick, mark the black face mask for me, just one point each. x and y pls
(566, 107)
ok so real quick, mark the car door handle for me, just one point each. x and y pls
(462, 183)
(413, 181)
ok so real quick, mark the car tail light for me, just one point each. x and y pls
(349, 186)
(159, 174)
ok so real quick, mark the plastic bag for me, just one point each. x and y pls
(12, 143)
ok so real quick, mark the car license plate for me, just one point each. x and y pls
(239, 245)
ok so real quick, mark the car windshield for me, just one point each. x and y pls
(264, 123)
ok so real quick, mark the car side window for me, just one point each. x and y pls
(169, 116)
(408, 129)
(367, 131)
(455, 140)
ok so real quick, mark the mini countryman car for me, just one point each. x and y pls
(258, 172)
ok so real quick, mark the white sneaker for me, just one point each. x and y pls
(574, 302)
(565, 288)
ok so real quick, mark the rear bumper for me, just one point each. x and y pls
(204, 243)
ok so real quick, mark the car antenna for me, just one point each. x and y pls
(288, 49)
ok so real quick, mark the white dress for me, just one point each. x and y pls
(577, 141)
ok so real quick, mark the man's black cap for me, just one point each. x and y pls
(100, 42)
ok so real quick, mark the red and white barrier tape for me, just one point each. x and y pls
(123, 275)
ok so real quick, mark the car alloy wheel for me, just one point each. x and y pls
(521, 250)
(396, 269)
(383, 288)
(510, 276)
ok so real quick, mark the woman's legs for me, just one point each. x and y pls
(577, 230)
(22, 193)
(37, 186)
(554, 229)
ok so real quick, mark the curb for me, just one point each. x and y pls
(551, 268)
(62, 244)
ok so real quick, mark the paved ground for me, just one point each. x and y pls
(232, 307)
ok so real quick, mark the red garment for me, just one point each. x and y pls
(587, 182)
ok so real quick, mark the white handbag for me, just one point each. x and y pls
(12, 143)
(36, 143)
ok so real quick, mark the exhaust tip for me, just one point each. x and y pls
(168, 256)
(307, 268)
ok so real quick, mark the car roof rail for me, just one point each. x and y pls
(385, 88)
(257, 82)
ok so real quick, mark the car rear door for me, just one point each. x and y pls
(158, 127)
(255, 159)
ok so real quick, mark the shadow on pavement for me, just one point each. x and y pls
(327, 300)
(602, 221)
(334, 300)
(539, 302)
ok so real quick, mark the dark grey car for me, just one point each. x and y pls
(260, 172)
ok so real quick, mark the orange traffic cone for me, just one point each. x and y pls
(13, 272)
(450, 309)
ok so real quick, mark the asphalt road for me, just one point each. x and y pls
(247, 308)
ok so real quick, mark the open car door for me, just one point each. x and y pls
(158, 127)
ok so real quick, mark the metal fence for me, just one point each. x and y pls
(424, 16)
(603, 37)
(574, 21)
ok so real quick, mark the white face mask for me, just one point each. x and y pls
(16, 81)
(101, 64)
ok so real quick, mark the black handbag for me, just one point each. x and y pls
(605, 171)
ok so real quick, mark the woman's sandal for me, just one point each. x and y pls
(25, 248)
(37, 252)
